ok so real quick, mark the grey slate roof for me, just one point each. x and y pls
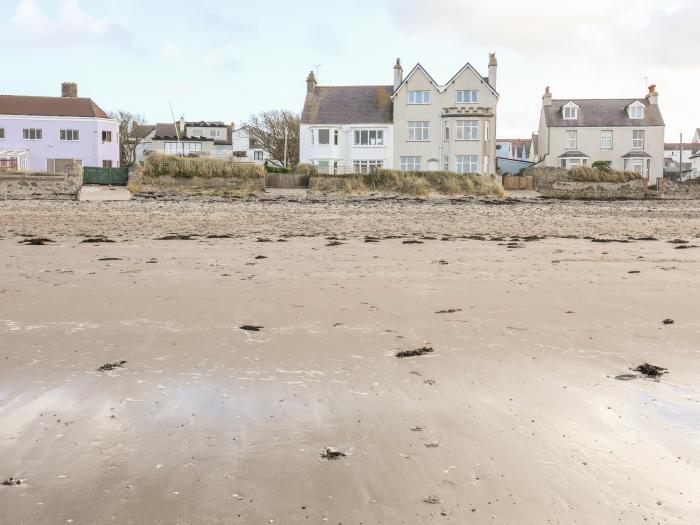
(141, 131)
(348, 105)
(602, 113)
(573, 154)
(637, 154)
(168, 132)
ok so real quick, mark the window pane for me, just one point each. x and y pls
(323, 136)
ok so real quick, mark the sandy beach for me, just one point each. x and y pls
(515, 417)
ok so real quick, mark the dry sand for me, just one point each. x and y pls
(521, 418)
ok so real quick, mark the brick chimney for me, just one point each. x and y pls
(69, 90)
(398, 74)
(653, 95)
(493, 70)
(547, 97)
(311, 82)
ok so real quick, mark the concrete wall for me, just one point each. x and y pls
(442, 100)
(20, 186)
(89, 149)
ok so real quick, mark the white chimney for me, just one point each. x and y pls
(547, 97)
(398, 74)
(493, 70)
(653, 96)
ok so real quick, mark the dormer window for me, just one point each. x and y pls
(570, 111)
(636, 111)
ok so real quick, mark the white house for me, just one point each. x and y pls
(346, 128)
(56, 134)
(627, 134)
(215, 139)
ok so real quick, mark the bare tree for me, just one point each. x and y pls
(267, 130)
(130, 135)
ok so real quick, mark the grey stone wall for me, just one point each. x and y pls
(44, 186)
(555, 183)
(681, 190)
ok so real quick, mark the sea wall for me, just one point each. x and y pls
(43, 186)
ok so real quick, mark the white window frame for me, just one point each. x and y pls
(258, 155)
(106, 136)
(196, 132)
(638, 139)
(366, 166)
(182, 148)
(607, 139)
(467, 96)
(636, 111)
(368, 138)
(571, 144)
(467, 163)
(215, 133)
(570, 111)
(37, 132)
(69, 135)
(418, 131)
(419, 97)
(328, 140)
(467, 130)
(410, 163)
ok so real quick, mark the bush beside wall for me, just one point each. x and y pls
(189, 167)
(410, 183)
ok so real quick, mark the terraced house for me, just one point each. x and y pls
(414, 124)
(626, 134)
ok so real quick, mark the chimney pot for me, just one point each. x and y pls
(69, 90)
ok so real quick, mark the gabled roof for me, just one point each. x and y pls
(467, 66)
(50, 107)
(601, 113)
(141, 131)
(348, 105)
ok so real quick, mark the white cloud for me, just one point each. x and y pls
(72, 27)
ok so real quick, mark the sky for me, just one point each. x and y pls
(226, 59)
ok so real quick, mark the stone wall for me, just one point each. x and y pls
(555, 183)
(43, 186)
(681, 190)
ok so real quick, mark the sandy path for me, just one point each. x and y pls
(208, 423)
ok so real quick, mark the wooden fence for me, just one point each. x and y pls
(287, 180)
(517, 182)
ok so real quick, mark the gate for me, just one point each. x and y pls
(287, 180)
(106, 176)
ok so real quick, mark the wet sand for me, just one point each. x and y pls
(521, 418)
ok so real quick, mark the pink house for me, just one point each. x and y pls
(54, 134)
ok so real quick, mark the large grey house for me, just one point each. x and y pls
(627, 134)
(415, 124)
